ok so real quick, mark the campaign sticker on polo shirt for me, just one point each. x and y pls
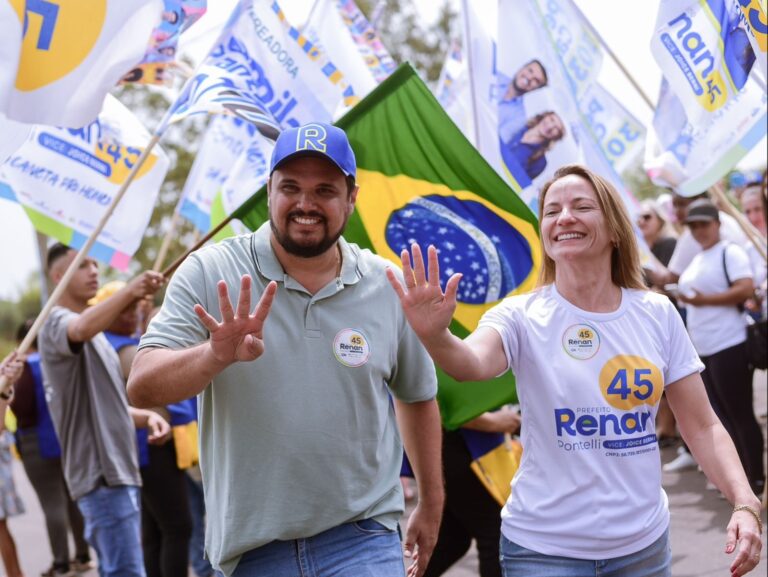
(351, 347)
(581, 341)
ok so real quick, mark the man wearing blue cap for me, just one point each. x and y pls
(300, 449)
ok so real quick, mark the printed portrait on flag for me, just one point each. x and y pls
(534, 132)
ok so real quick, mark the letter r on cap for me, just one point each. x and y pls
(311, 136)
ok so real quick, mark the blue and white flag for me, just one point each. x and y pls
(453, 91)
(226, 140)
(536, 99)
(66, 178)
(711, 109)
(264, 71)
(692, 157)
(704, 53)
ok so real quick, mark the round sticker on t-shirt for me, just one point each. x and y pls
(581, 341)
(351, 347)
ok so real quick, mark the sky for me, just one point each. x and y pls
(624, 25)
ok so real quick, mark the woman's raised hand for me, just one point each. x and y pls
(428, 309)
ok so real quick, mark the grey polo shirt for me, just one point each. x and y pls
(304, 438)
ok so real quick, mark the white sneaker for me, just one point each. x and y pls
(682, 462)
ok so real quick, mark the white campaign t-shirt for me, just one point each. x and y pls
(687, 248)
(715, 328)
(589, 384)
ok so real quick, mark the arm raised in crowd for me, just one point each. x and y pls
(429, 311)
(98, 318)
(161, 376)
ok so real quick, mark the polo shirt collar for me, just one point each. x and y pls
(352, 269)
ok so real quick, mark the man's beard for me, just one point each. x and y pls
(306, 250)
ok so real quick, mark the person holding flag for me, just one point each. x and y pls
(592, 350)
(85, 392)
(300, 402)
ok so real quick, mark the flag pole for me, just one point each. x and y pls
(752, 234)
(166, 244)
(75, 264)
(615, 58)
(468, 52)
(175, 264)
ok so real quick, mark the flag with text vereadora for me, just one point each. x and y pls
(422, 181)
(69, 55)
(265, 71)
(65, 178)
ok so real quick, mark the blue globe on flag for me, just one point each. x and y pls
(493, 256)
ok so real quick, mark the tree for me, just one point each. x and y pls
(408, 41)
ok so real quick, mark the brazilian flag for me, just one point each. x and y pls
(422, 181)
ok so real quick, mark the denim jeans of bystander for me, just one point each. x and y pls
(113, 528)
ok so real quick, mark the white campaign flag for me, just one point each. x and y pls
(480, 51)
(704, 53)
(619, 135)
(13, 136)
(549, 106)
(539, 123)
(452, 90)
(264, 71)
(226, 139)
(336, 27)
(711, 109)
(65, 56)
(66, 178)
(249, 173)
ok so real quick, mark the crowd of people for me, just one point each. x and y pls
(308, 400)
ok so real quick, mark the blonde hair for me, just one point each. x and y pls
(626, 271)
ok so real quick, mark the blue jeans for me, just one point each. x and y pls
(113, 528)
(197, 559)
(653, 561)
(360, 549)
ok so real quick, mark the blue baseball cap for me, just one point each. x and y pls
(315, 139)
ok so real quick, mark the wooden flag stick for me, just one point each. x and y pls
(75, 264)
(163, 251)
(468, 52)
(725, 204)
(175, 264)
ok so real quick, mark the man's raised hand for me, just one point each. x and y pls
(240, 335)
(428, 309)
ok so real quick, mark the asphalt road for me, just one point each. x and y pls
(699, 518)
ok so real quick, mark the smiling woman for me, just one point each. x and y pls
(592, 350)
